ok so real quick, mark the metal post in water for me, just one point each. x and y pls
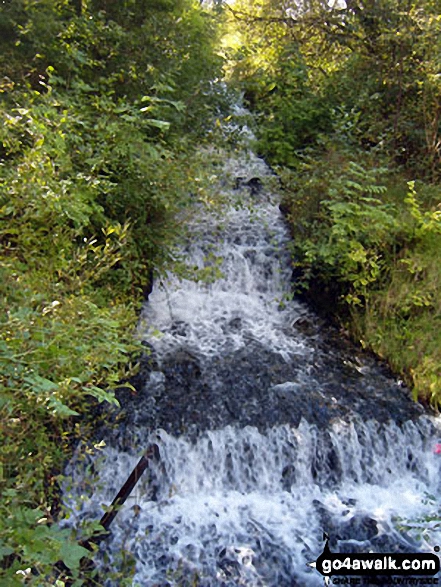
(152, 452)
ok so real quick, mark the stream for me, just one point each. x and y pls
(272, 429)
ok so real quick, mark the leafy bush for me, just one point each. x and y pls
(402, 323)
(344, 231)
(372, 241)
(95, 173)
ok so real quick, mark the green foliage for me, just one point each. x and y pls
(298, 63)
(422, 528)
(58, 350)
(347, 231)
(292, 115)
(96, 171)
(27, 530)
(426, 222)
(372, 239)
(402, 322)
(347, 99)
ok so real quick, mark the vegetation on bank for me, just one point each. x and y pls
(101, 104)
(347, 98)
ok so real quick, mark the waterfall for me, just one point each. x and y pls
(271, 429)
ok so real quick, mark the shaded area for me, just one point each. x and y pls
(187, 393)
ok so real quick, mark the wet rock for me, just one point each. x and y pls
(285, 390)
(181, 364)
(305, 326)
(259, 387)
(326, 466)
(255, 185)
(235, 324)
(148, 359)
(349, 502)
(156, 383)
(284, 207)
(359, 528)
(179, 328)
(239, 182)
(250, 254)
(353, 546)
(394, 542)
(288, 477)
(325, 517)
(148, 288)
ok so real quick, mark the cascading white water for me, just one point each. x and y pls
(247, 505)
(249, 239)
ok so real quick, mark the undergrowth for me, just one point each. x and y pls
(371, 237)
(100, 111)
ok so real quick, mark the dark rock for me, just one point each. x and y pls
(179, 327)
(235, 324)
(394, 542)
(352, 547)
(285, 208)
(239, 182)
(149, 286)
(305, 326)
(182, 364)
(325, 517)
(255, 185)
(288, 477)
(359, 528)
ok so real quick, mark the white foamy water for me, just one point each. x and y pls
(241, 507)
(249, 238)
(238, 505)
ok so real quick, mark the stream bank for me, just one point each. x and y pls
(271, 429)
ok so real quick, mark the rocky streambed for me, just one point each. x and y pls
(271, 428)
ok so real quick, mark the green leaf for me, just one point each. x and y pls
(59, 408)
(71, 554)
(40, 384)
(161, 124)
(101, 395)
(5, 551)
